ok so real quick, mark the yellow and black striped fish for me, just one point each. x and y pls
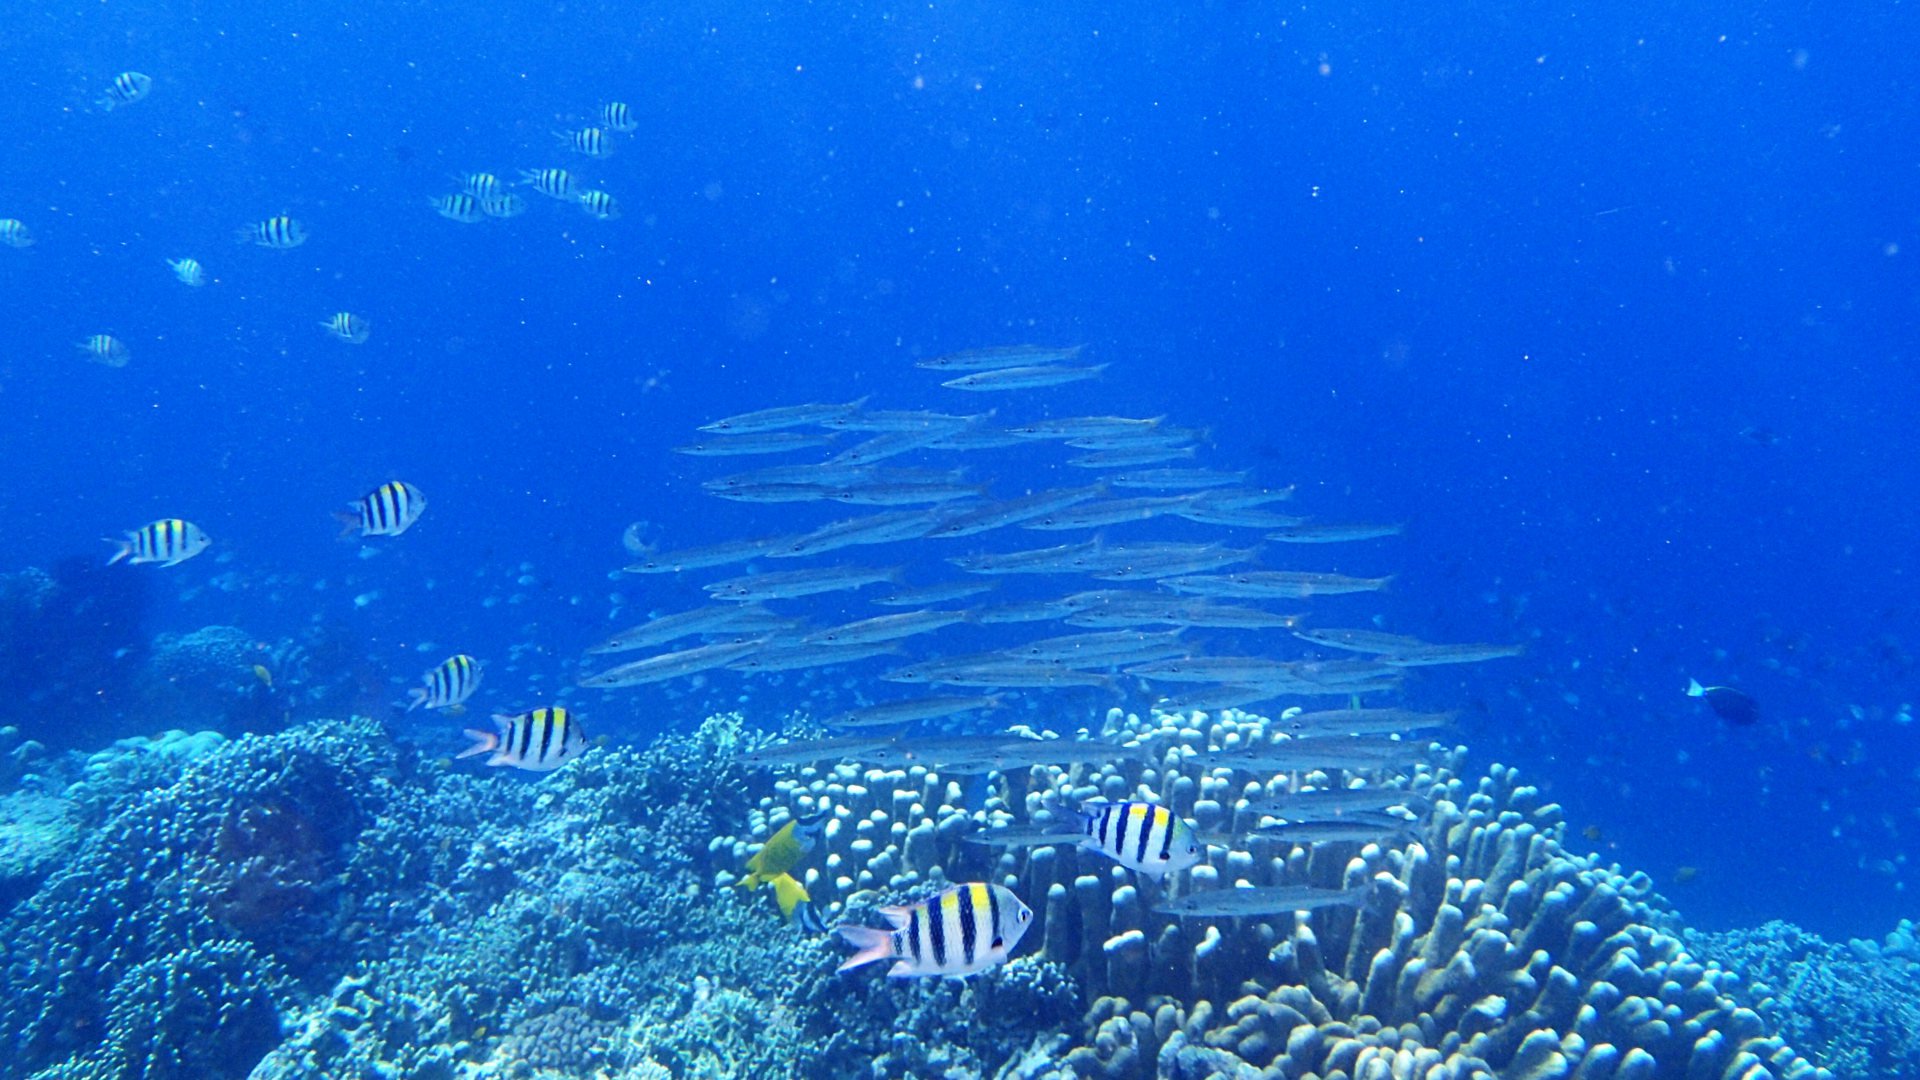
(106, 349)
(618, 116)
(280, 233)
(482, 185)
(538, 741)
(600, 205)
(1139, 836)
(387, 510)
(453, 682)
(126, 88)
(588, 142)
(189, 271)
(459, 206)
(348, 327)
(168, 542)
(553, 183)
(965, 929)
(14, 234)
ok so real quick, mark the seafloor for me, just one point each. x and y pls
(328, 902)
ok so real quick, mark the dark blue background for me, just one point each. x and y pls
(1519, 276)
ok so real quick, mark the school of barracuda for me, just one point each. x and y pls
(1143, 636)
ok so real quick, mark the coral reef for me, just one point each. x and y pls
(1485, 947)
(1856, 1007)
(332, 905)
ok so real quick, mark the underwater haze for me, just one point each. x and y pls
(1609, 308)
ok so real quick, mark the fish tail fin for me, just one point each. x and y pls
(1694, 689)
(419, 697)
(872, 945)
(483, 742)
(348, 521)
(789, 893)
(126, 549)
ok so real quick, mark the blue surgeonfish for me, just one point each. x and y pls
(1736, 707)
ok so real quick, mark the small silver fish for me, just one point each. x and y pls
(1271, 900)
(1024, 378)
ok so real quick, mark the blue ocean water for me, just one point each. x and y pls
(1611, 305)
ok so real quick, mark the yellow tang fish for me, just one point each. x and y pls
(774, 863)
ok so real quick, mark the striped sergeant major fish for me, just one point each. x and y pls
(348, 327)
(588, 142)
(387, 510)
(189, 271)
(481, 185)
(618, 116)
(125, 89)
(600, 204)
(169, 541)
(106, 349)
(14, 234)
(538, 741)
(505, 205)
(553, 183)
(965, 929)
(450, 684)
(280, 233)
(1139, 836)
(459, 206)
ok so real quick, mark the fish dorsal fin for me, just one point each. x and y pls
(898, 916)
